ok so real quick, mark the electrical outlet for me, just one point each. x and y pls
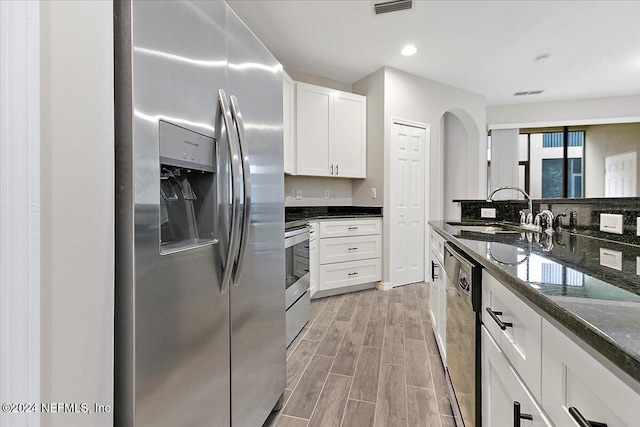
(611, 223)
(374, 194)
(326, 194)
(487, 212)
(298, 194)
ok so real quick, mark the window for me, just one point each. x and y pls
(554, 167)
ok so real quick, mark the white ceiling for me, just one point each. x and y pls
(486, 47)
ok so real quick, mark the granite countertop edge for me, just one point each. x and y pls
(623, 358)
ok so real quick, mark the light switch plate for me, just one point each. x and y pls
(638, 226)
(611, 223)
(611, 259)
(298, 194)
(326, 194)
(638, 265)
(487, 212)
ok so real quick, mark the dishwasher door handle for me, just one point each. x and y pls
(494, 315)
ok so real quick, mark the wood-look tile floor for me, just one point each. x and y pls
(366, 358)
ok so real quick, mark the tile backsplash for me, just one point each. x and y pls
(588, 213)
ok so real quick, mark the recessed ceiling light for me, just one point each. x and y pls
(409, 50)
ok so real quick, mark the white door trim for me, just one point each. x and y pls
(19, 208)
(386, 285)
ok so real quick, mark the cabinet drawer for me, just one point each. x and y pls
(573, 378)
(342, 249)
(360, 227)
(349, 273)
(502, 388)
(436, 242)
(521, 342)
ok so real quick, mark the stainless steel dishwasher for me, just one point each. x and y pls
(463, 336)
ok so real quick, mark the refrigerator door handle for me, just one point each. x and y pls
(246, 178)
(224, 112)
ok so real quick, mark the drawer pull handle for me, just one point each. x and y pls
(353, 228)
(494, 315)
(581, 420)
(517, 415)
(353, 274)
(434, 276)
(352, 249)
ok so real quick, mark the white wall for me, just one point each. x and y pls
(420, 100)
(77, 176)
(413, 98)
(455, 183)
(579, 111)
(313, 189)
(372, 87)
(313, 79)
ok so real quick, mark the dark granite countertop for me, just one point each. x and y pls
(298, 215)
(561, 274)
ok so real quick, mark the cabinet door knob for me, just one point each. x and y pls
(581, 420)
(517, 415)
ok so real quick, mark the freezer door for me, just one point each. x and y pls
(173, 321)
(258, 301)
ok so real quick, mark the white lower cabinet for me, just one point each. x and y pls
(314, 264)
(349, 253)
(438, 304)
(343, 274)
(526, 359)
(516, 328)
(573, 383)
(504, 394)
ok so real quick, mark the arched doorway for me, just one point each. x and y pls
(462, 174)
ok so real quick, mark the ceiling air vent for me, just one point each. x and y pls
(392, 6)
(529, 92)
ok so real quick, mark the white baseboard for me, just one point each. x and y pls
(384, 286)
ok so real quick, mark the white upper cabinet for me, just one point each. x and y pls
(289, 123)
(330, 132)
(349, 135)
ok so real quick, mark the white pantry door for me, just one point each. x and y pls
(620, 175)
(407, 172)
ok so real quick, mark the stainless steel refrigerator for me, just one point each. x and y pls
(200, 316)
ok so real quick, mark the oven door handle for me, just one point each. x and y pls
(292, 238)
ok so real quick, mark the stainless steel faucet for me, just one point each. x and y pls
(548, 218)
(529, 217)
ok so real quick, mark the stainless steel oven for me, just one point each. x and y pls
(463, 336)
(298, 301)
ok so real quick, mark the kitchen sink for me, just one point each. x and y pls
(486, 228)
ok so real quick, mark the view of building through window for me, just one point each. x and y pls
(541, 171)
(547, 176)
